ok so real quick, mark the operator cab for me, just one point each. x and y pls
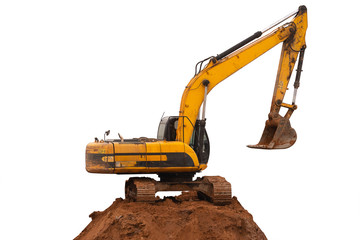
(167, 131)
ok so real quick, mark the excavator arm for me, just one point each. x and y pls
(278, 132)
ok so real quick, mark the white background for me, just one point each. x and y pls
(70, 70)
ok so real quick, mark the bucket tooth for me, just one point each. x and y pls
(278, 134)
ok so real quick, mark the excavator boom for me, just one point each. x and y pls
(292, 35)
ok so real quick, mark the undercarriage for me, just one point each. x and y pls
(212, 188)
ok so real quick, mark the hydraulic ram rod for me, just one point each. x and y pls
(254, 36)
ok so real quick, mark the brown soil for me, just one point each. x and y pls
(181, 217)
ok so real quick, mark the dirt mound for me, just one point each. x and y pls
(172, 218)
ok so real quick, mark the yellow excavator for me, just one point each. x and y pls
(182, 146)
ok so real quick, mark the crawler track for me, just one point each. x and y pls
(213, 188)
(140, 189)
(220, 193)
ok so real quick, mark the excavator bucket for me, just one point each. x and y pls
(278, 134)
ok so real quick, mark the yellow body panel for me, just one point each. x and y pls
(141, 157)
(97, 156)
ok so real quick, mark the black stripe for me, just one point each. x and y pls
(179, 159)
(173, 160)
(135, 154)
(95, 159)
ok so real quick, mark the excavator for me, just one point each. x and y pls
(182, 146)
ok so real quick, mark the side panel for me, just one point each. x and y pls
(128, 155)
(169, 154)
(99, 158)
(141, 157)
